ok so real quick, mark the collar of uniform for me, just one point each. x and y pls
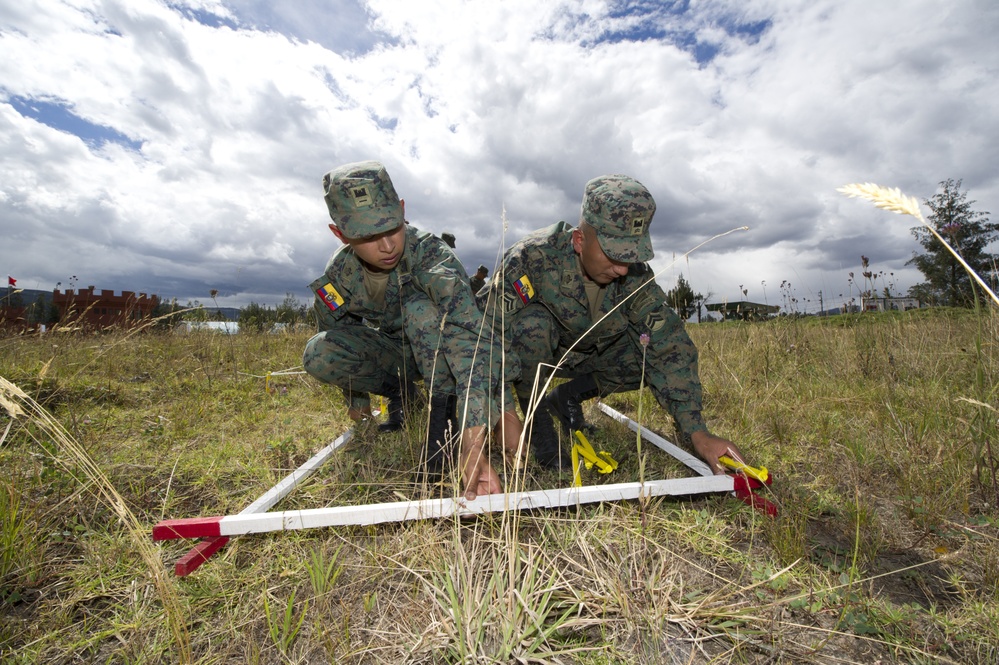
(404, 270)
(571, 281)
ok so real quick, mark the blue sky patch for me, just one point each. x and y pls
(204, 17)
(673, 22)
(59, 116)
(342, 26)
(383, 123)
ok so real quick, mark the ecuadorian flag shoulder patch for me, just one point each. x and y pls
(524, 289)
(330, 296)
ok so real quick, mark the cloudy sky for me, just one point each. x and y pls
(178, 147)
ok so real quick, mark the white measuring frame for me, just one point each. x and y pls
(255, 519)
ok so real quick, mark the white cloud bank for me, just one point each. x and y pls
(175, 148)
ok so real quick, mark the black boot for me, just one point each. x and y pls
(443, 436)
(540, 436)
(566, 402)
(400, 398)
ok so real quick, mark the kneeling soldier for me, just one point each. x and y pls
(394, 306)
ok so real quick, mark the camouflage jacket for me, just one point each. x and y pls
(543, 268)
(427, 266)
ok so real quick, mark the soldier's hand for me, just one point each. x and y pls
(477, 475)
(358, 415)
(509, 430)
(710, 447)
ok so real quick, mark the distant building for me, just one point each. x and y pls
(103, 309)
(889, 304)
(224, 327)
(743, 309)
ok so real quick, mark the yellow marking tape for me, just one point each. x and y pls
(759, 474)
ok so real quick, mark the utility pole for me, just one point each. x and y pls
(822, 309)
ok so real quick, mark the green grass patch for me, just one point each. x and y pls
(880, 431)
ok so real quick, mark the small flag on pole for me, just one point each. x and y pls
(11, 281)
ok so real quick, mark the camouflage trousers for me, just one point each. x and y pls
(360, 360)
(534, 339)
(615, 364)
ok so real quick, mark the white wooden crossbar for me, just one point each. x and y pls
(695, 463)
(235, 525)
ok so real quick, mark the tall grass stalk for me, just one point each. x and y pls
(284, 627)
(19, 405)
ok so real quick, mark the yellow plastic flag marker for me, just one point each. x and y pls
(759, 474)
(602, 460)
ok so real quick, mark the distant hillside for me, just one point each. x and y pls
(230, 313)
(27, 296)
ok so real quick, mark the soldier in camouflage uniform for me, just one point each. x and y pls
(380, 305)
(478, 280)
(584, 298)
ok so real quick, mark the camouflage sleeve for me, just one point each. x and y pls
(466, 347)
(326, 317)
(508, 292)
(670, 358)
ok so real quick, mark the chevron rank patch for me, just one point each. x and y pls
(330, 296)
(655, 320)
(509, 303)
(524, 289)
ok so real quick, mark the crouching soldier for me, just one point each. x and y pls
(393, 307)
(584, 299)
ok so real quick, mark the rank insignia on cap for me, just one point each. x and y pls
(637, 226)
(524, 289)
(330, 296)
(361, 196)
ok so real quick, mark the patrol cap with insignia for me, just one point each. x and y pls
(362, 200)
(619, 208)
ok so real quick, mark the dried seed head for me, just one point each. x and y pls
(884, 197)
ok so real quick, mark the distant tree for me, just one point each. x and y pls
(968, 231)
(51, 314)
(38, 312)
(254, 317)
(162, 309)
(290, 311)
(699, 302)
(196, 311)
(683, 299)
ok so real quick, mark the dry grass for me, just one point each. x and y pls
(885, 549)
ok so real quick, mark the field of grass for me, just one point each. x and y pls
(880, 431)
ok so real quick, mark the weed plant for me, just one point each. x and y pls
(880, 431)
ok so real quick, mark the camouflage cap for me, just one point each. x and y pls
(362, 200)
(620, 209)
